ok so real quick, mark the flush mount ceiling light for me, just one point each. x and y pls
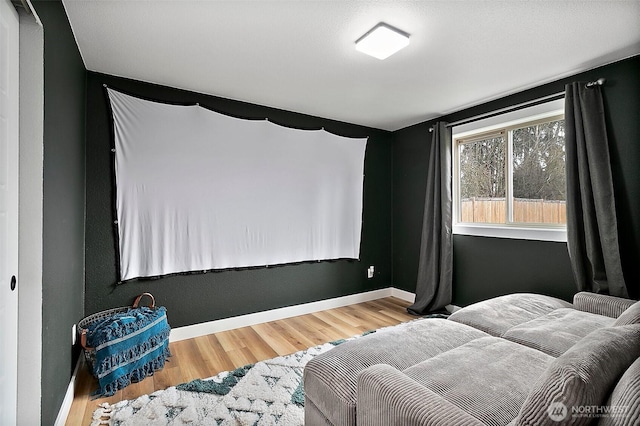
(382, 41)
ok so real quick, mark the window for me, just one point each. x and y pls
(509, 175)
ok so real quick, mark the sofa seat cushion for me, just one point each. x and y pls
(557, 331)
(488, 378)
(330, 379)
(585, 375)
(496, 316)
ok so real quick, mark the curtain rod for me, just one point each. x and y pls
(508, 109)
(598, 82)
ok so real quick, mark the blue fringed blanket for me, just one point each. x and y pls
(129, 346)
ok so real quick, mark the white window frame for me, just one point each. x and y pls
(541, 232)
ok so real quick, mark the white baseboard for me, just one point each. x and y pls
(202, 329)
(411, 297)
(63, 413)
(403, 295)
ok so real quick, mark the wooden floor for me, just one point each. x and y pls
(206, 356)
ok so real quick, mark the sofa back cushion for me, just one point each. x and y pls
(630, 316)
(583, 376)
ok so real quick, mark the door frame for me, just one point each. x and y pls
(30, 216)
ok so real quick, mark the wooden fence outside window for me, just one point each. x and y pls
(494, 210)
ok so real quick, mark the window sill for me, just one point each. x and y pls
(513, 232)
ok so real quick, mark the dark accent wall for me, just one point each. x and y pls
(81, 248)
(197, 298)
(488, 267)
(63, 204)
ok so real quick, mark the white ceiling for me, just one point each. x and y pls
(300, 55)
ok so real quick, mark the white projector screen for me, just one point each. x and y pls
(197, 190)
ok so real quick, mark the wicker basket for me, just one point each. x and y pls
(83, 325)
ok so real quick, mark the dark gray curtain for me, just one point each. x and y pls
(433, 287)
(592, 228)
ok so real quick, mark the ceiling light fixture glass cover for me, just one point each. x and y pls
(382, 41)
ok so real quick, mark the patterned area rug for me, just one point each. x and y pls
(266, 393)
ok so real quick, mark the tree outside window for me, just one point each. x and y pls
(513, 175)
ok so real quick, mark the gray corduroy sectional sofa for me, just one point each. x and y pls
(520, 359)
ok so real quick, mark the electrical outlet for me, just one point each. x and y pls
(370, 271)
(74, 335)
